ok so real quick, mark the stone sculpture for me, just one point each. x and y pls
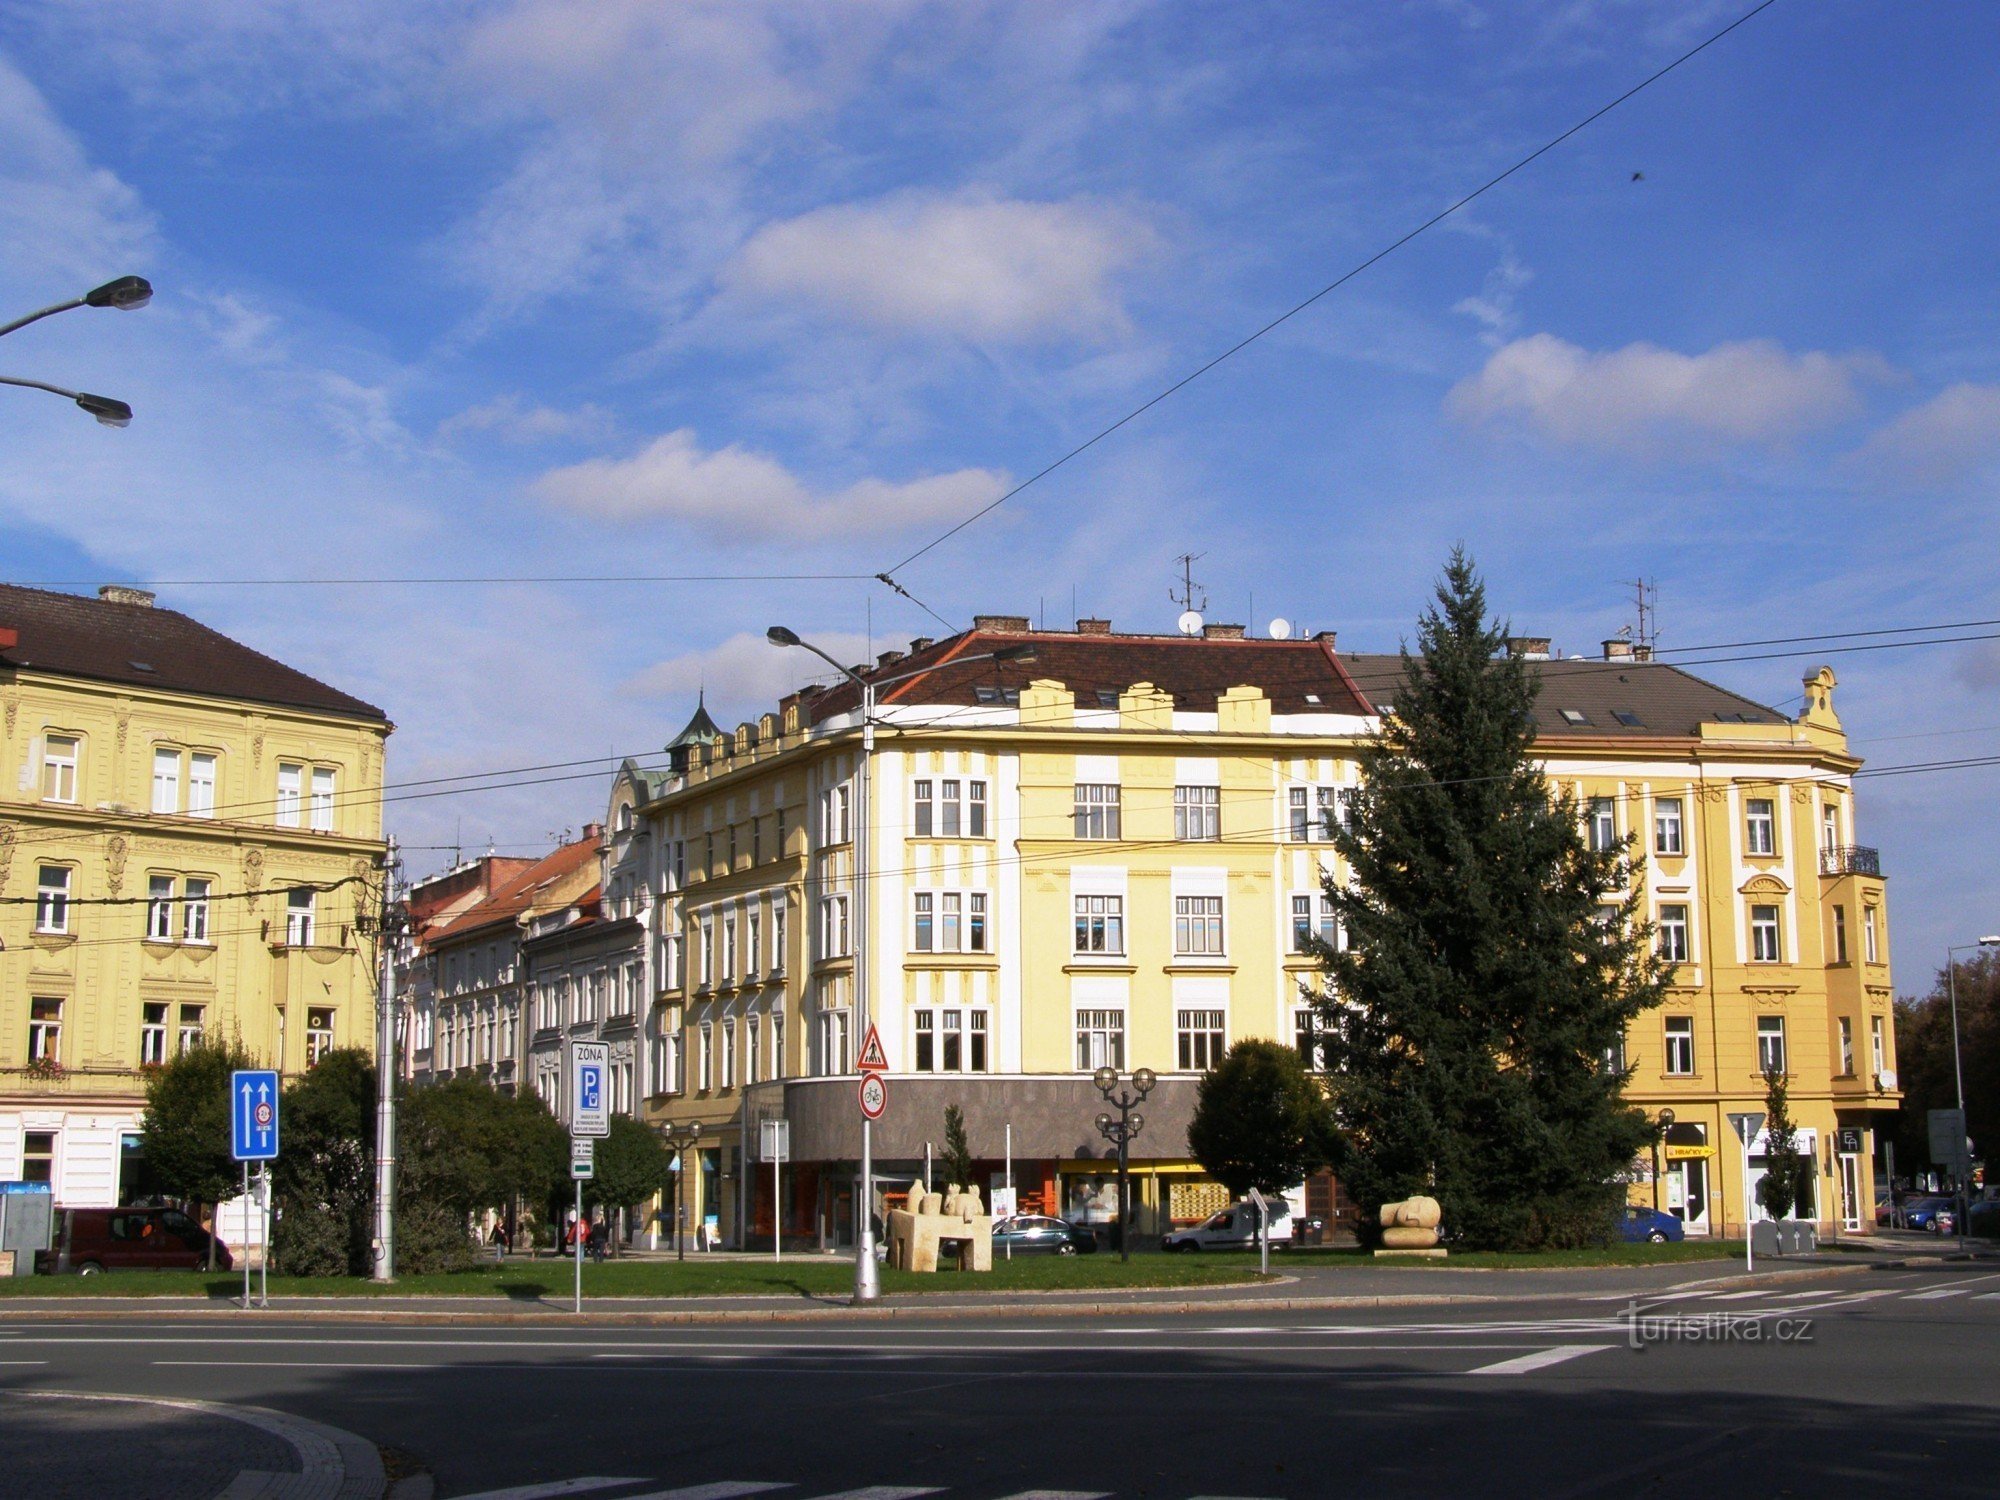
(1411, 1227)
(933, 1223)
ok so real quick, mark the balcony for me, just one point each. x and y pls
(1851, 859)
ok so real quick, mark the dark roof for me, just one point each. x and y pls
(71, 635)
(1297, 676)
(700, 729)
(1655, 698)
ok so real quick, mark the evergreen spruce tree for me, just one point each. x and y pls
(1784, 1168)
(1467, 1022)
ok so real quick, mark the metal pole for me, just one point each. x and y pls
(1749, 1229)
(264, 1260)
(1958, 1153)
(384, 1268)
(1014, 1207)
(576, 1225)
(1124, 1186)
(246, 1235)
(867, 1278)
(777, 1208)
(680, 1170)
(1656, 1173)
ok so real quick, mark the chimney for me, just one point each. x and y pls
(593, 832)
(1643, 652)
(1326, 639)
(1222, 632)
(887, 658)
(1000, 622)
(1529, 647)
(123, 593)
(1093, 627)
(921, 643)
(1617, 648)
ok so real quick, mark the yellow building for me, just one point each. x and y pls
(187, 830)
(1111, 856)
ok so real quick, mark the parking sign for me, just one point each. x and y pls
(589, 1102)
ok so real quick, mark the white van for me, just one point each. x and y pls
(1235, 1228)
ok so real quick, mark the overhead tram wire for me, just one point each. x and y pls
(498, 578)
(1334, 285)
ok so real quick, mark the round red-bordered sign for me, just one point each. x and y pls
(874, 1096)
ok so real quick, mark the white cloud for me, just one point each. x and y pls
(1752, 391)
(63, 221)
(733, 493)
(513, 420)
(980, 268)
(1951, 437)
(1493, 307)
(746, 675)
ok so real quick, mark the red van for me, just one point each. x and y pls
(90, 1240)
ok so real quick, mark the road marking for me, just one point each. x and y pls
(568, 1487)
(1732, 1296)
(722, 1489)
(1059, 1495)
(1246, 1331)
(1987, 1297)
(23, 1361)
(1936, 1292)
(1540, 1360)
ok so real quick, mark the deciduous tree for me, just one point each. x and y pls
(186, 1128)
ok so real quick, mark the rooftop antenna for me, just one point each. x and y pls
(1192, 597)
(1646, 597)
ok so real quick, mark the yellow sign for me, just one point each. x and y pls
(1688, 1153)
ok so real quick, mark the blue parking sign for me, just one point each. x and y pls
(253, 1113)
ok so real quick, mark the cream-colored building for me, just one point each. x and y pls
(188, 829)
(1111, 855)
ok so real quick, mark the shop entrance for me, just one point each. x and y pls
(1850, 1191)
(1687, 1154)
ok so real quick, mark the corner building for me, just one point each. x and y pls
(1111, 855)
(188, 832)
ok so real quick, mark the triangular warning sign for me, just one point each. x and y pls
(873, 1059)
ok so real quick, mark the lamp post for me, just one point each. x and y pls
(867, 1276)
(1963, 1158)
(678, 1139)
(125, 293)
(1120, 1131)
(1666, 1123)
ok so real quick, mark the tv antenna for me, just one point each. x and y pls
(1192, 597)
(1646, 597)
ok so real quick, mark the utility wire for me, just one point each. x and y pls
(1333, 285)
(196, 583)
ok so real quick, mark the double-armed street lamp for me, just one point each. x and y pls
(1120, 1130)
(867, 1277)
(126, 293)
(1961, 1156)
(678, 1139)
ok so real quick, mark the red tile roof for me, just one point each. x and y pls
(512, 899)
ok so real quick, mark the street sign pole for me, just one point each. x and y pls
(246, 1236)
(1746, 1126)
(576, 1229)
(253, 1136)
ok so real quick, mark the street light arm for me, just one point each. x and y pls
(112, 413)
(125, 293)
(35, 317)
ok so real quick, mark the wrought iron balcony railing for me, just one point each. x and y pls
(1850, 859)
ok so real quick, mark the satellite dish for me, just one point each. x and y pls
(1190, 622)
(1281, 629)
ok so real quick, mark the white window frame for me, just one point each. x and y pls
(159, 908)
(300, 917)
(1675, 945)
(291, 793)
(152, 1033)
(1201, 1036)
(1871, 936)
(1197, 813)
(52, 898)
(61, 767)
(1767, 934)
(166, 780)
(1100, 1037)
(190, 1026)
(1199, 930)
(1601, 823)
(1669, 827)
(194, 909)
(1099, 925)
(1878, 1043)
(324, 782)
(835, 825)
(1760, 827)
(1097, 809)
(1678, 1059)
(1846, 1046)
(45, 1030)
(201, 776)
(1771, 1045)
(835, 936)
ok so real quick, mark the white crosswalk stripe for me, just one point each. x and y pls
(885, 1492)
(1938, 1291)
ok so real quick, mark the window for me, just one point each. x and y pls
(975, 922)
(952, 1040)
(194, 911)
(729, 1053)
(777, 1044)
(1764, 946)
(1829, 825)
(510, 1021)
(1674, 933)
(166, 781)
(160, 908)
(1871, 943)
(753, 941)
(1100, 1040)
(1667, 826)
(152, 1034)
(299, 919)
(732, 848)
(833, 1041)
(322, 799)
(923, 821)
(201, 786)
(38, 1156)
(59, 759)
(833, 927)
(189, 1030)
(1305, 1035)
(1614, 1057)
(1198, 925)
(1311, 812)
(705, 1058)
(752, 1040)
(1197, 812)
(833, 815)
(975, 809)
(319, 1034)
(951, 921)
(1840, 934)
(1304, 929)
(52, 899)
(1603, 824)
(1878, 1044)
(1770, 1044)
(1760, 826)
(1199, 1033)
(45, 1030)
(925, 938)
(729, 952)
(291, 784)
(1846, 1047)
(950, 812)
(1096, 810)
(778, 911)
(1100, 924)
(1680, 1046)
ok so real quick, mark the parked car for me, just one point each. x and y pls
(1037, 1234)
(1235, 1228)
(1639, 1226)
(1931, 1212)
(90, 1240)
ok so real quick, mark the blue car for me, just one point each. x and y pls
(1642, 1226)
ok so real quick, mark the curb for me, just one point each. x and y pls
(666, 1317)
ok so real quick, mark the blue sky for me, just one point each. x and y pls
(605, 286)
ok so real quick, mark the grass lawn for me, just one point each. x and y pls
(798, 1276)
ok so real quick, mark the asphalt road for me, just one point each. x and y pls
(1885, 1378)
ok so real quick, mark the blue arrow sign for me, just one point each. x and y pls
(253, 1098)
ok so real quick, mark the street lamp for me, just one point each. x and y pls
(1961, 1158)
(1120, 1131)
(1666, 1124)
(678, 1139)
(126, 293)
(867, 1276)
